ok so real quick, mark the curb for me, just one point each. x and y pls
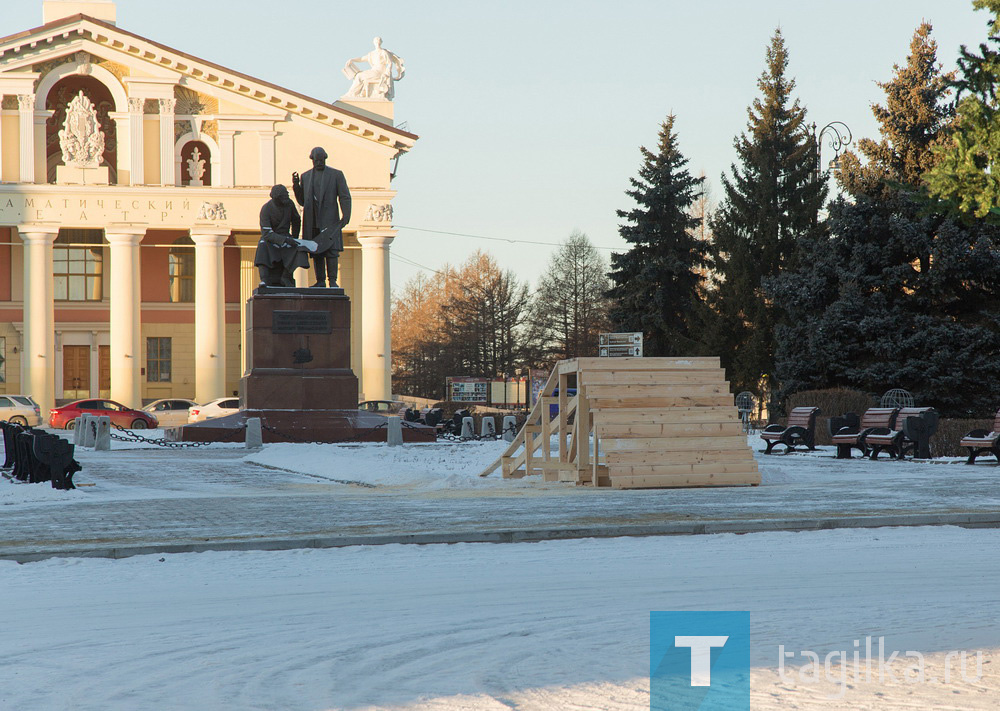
(792, 525)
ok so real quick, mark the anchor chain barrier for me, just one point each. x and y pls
(133, 436)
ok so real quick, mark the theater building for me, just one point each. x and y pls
(125, 276)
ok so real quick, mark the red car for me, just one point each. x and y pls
(65, 417)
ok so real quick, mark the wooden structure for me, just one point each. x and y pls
(633, 423)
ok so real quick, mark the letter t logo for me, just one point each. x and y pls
(701, 656)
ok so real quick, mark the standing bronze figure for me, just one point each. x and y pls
(322, 192)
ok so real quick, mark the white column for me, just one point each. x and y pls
(210, 313)
(227, 147)
(26, 113)
(38, 354)
(376, 343)
(267, 157)
(167, 141)
(136, 115)
(126, 303)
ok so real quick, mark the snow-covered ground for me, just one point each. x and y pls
(473, 626)
(552, 625)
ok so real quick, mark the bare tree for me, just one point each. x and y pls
(570, 308)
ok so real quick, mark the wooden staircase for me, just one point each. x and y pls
(633, 423)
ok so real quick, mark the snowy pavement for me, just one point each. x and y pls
(539, 626)
(133, 495)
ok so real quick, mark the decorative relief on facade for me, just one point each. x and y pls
(167, 106)
(150, 106)
(214, 211)
(379, 213)
(190, 102)
(196, 169)
(136, 104)
(44, 68)
(9, 103)
(211, 129)
(81, 139)
(376, 82)
(119, 70)
(25, 102)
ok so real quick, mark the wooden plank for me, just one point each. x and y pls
(733, 428)
(670, 415)
(683, 469)
(596, 364)
(653, 377)
(657, 402)
(641, 457)
(562, 425)
(681, 481)
(581, 433)
(598, 392)
(670, 444)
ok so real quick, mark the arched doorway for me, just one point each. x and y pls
(64, 91)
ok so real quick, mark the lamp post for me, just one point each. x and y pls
(840, 137)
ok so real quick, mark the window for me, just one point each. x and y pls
(78, 267)
(157, 360)
(181, 271)
(3, 359)
(5, 402)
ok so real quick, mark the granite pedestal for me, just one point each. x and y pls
(300, 382)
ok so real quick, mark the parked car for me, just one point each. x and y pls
(383, 407)
(20, 409)
(170, 412)
(220, 407)
(65, 417)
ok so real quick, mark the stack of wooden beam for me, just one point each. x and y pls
(634, 423)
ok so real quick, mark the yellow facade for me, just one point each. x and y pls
(159, 101)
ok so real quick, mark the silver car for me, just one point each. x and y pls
(170, 412)
(20, 409)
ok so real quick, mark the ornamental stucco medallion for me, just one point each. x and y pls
(81, 139)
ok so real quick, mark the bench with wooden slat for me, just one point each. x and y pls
(800, 430)
(896, 442)
(983, 442)
(875, 420)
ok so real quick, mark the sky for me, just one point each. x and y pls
(531, 114)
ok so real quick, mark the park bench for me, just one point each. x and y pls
(912, 432)
(800, 430)
(983, 442)
(848, 433)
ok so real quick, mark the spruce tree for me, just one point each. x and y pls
(656, 284)
(896, 295)
(771, 203)
(967, 171)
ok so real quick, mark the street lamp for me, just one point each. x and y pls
(840, 137)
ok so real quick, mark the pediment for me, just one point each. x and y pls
(198, 85)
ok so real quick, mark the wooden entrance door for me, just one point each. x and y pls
(76, 372)
(104, 371)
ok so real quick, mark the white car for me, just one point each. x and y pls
(170, 412)
(220, 407)
(20, 409)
